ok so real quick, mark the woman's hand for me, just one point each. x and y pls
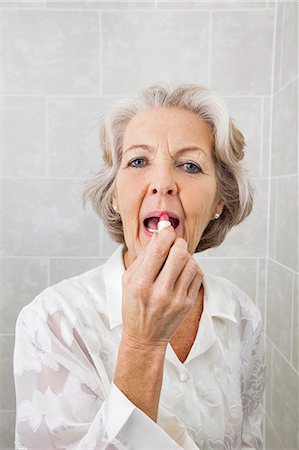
(159, 289)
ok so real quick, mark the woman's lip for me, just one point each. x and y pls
(160, 213)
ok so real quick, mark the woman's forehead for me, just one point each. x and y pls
(178, 126)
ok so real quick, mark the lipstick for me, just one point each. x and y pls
(163, 222)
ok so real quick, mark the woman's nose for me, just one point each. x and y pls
(163, 182)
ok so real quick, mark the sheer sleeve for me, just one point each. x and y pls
(252, 385)
(61, 401)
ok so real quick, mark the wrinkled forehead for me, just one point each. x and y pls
(168, 126)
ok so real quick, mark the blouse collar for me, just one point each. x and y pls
(218, 294)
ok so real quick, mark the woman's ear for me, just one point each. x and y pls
(218, 209)
(115, 203)
(220, 206)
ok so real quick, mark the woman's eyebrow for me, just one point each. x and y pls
(181, 150)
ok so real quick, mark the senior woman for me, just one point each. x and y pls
(146, 352)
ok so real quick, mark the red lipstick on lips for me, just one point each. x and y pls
(164, 216)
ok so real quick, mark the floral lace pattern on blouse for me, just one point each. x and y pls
(65, 355)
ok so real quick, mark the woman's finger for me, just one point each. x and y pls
(174, 264)
(186, 277)
(155, 255)
(195, 285)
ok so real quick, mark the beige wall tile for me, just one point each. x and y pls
(285, 401)
(142, 48)
(108, 246)
(250, 237)
(295, 359)
(289, 63)
(279, 307)
(22, 4)
(100, 4)
(247, 115)
(272, 441)
(68, 63)
(62, 268)
(272, 218)
(236, 48)
(287, 222)
(1, 213)
(7, 430)
(23, 279)
(262, 272)
(211, 4)
(268, 385)
(285, 130)
(74, 149)
(239, 271)
(46, 218)
(278, 47)
(7, 391)
(24, 137)
(265, 171)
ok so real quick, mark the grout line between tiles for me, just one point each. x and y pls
(46, 178)
(269, 174)
(52, 257)
(286, 84)
(257, 284)
(48, 271)
(262, 147)
(221, 10)
(292, 318)
(60, 95)
(249, 96)
(275, 183)
(282, 265)
(47, 137)
(284, 357)
(288, 176)
(281, 47)
(96, 10)
(276, 436)
(271, 371)
(1, 138)
(1, 93)
(100, 38)
(99, 256)
(210, 50)
(101, 235)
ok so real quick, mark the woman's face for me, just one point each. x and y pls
(167, 167)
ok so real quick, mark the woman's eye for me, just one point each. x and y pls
(190, 167)
(137, 162)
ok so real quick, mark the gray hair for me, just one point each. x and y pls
(233, 186)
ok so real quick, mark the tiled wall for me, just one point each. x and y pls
(282, 399)
(62, 62)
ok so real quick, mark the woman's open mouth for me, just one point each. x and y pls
(151, 222)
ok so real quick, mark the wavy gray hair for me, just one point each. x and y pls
(233, 186)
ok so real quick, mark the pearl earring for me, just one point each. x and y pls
(217, 216)
(115, 208)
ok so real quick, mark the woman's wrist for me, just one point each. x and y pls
(134, 343)
(139, 372)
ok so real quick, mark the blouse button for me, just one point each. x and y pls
(183, 376)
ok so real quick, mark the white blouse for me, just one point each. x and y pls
(65, 355)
